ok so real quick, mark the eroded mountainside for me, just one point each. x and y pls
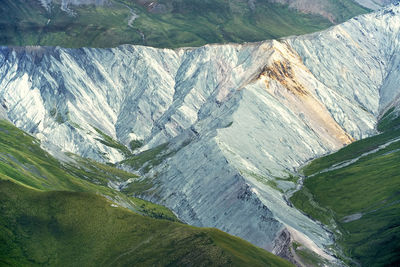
(216, 132)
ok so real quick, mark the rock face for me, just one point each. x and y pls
(238, 119)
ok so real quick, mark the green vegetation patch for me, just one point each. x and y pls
(82, 229)
(135, 144)
(24, 162)
(109, 141)
(349, 152)
(389, 121)
(95, 172)
(147, 159)
(185, 23)
(307, 256)
(138, 186)
(359, 202)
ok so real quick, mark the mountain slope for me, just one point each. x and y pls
(85, 229)
(89, 224)
(356, 193)
(176, 98)
(217, 132)
(24, 162)
(167, 23)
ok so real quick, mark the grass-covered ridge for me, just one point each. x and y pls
(360, 202)
(23, 161)
(182, 23)
(82, 229)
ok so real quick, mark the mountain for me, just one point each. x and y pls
(217, 133)
(89, 224)
(164, 23)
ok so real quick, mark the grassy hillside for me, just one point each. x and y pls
(359, 202)
(23, 161)
(63, 214)
(82, 229)
(181, 23)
